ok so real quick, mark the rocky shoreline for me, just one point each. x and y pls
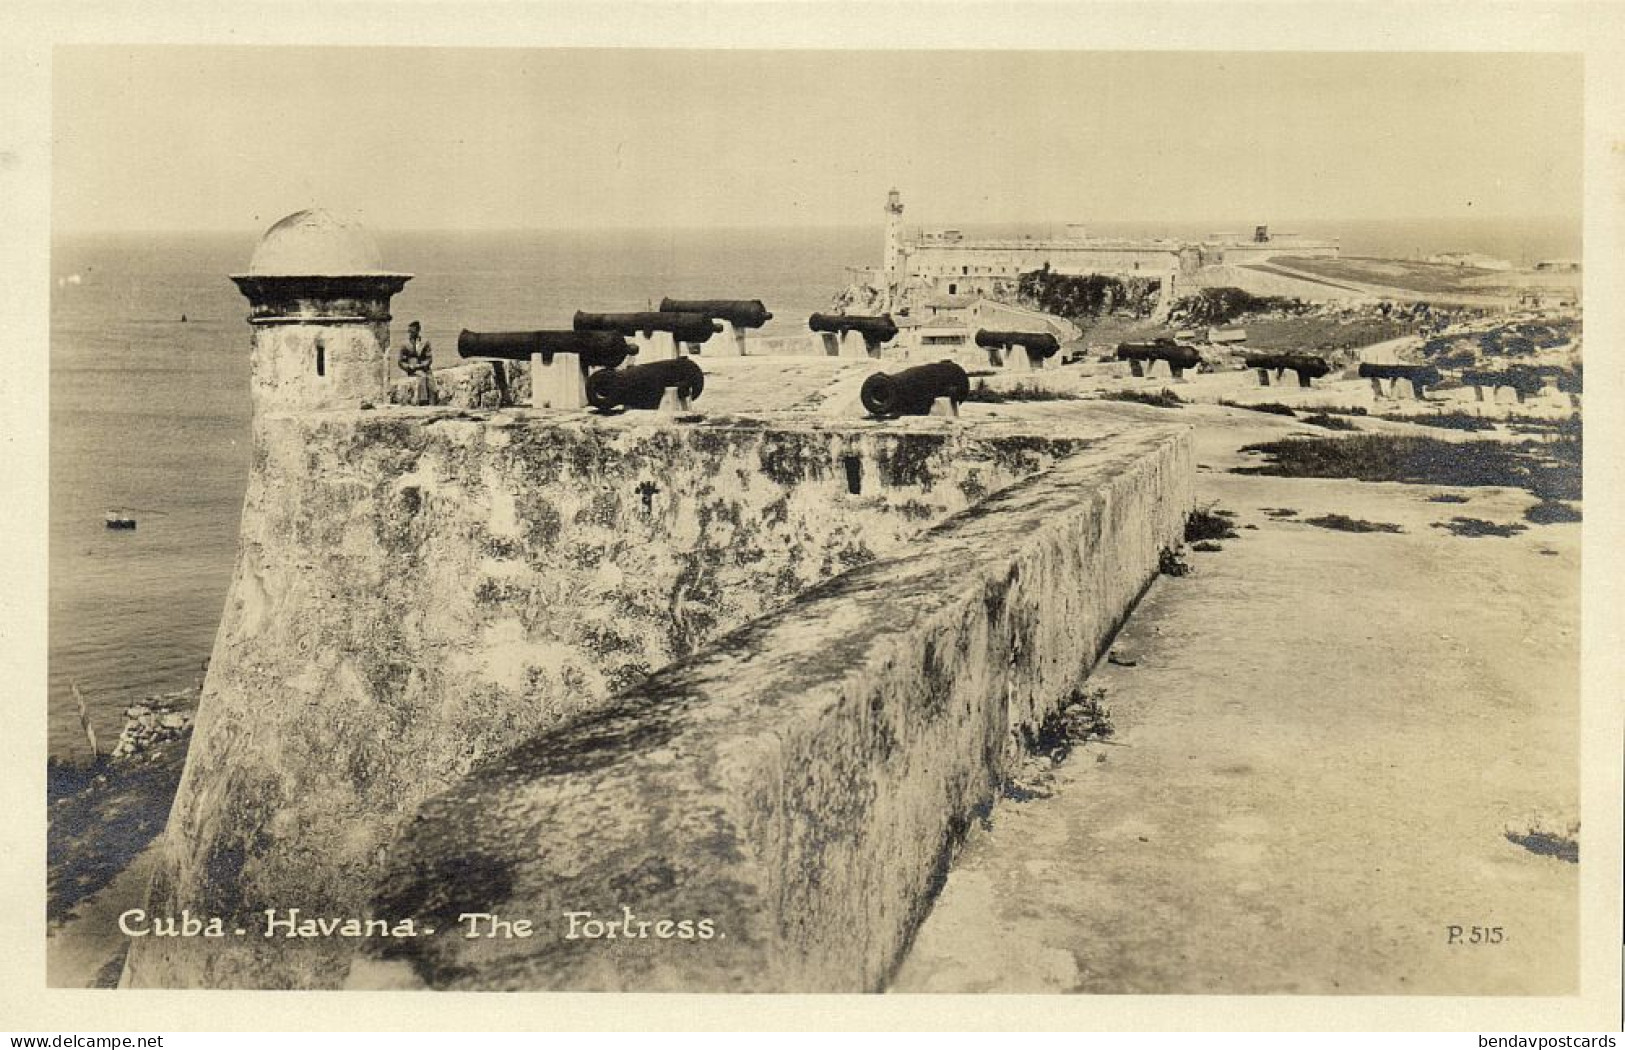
(102, 814)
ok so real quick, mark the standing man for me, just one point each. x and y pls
(416, 358)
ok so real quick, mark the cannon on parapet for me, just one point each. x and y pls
(683, 327)
(1420, 377)
(594, 349)
(1522, 379)
(733, 316)
(1141, 356)
(1307, 366)
(741, 313)
(555, 381)
(860, 336)
(1038, 346)
(913, 391)
(645, 386)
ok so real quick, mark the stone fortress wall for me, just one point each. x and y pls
(766, 662)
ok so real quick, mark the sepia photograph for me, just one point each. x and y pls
(948, 522)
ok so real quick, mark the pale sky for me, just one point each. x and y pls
(172, 138)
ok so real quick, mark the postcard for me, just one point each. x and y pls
(857, 514)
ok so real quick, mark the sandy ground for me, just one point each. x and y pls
(1319, 745)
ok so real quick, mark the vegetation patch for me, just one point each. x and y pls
(1443, 420)
(1552, 512)
(1082, 718)
(1329, 422)
(1081, 296)
(1207, 547)
(1562, 843)
(1274, 408)
(1204, 523)
(1447, 497)
(1475, 527)
(1344, 523)
(1171, 563)
(1163, 398)
(1548, 469)
(981, 393)
(1280, 512)
(1217, 306)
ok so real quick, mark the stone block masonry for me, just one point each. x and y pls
(419, 590)
(774, 812)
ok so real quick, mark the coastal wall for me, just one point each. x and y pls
(417, 590)
(790, 795)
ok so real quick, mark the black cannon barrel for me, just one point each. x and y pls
(875, 329)
(1044, 344)
(642, 386)
(741, 313)
(1311, 366)
(1522, 380)
(1162, 350)
(688, 328)
(912, 391)
(596, 349)
(1425, 374)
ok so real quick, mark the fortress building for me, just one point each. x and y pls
(946, 262)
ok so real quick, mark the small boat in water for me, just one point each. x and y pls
(119, 520)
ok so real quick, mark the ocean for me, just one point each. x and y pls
(149, 413)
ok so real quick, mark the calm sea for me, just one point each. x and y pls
(149, 414)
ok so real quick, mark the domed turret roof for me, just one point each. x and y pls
(315, 243)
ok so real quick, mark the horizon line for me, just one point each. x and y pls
(523, 229)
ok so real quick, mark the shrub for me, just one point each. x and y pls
(1329, 422)
(1475, 527)
(1204, 523)
(1344, 523)
(1163, 398)
(1274, 408)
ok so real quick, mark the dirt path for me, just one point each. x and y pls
(1319, 747)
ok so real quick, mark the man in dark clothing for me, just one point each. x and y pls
(416, 359)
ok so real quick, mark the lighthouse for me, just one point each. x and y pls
(319, 308)
(891, 269)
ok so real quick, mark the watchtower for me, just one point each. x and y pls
(319, 308)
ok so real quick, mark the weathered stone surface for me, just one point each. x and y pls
(417, 590)
(800, 783)
(471, 385)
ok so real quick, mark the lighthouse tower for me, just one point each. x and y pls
(891, 269)
(319, 308)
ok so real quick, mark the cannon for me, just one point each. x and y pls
(1522, 379)
(554, 382)
(741, 313)
(860, 336)
(644, 386)
(1308, 366)
(683, 327)
(1420, 377)
(1141, 356)
(913, 391)
(595, 349)
(1039, 346)
(733, 316)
